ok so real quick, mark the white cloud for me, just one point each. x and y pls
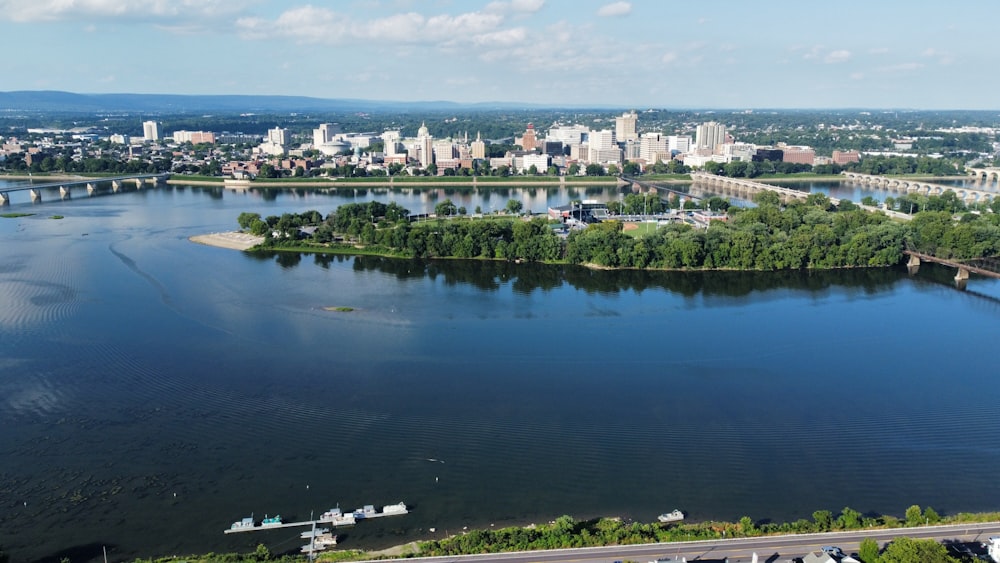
(501, 38)
(310, 24)
(839, 56)
(929, 52)
(903, 67)
(669, 57)
(857, 76)
(131, 10)
(528, 6)
(878, 50)
(615, 9)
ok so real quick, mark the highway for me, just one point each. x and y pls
(770, 549)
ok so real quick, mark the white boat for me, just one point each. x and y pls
(399, 508)
(673, 516)
(367, 511)
(335, 517)
(242, 524)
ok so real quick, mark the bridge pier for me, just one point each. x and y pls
(138, 183)
(63, 192)
(913, 264)
(116, 185)
(962, 275)
(4, 199)
(35, 195)
(91, 188)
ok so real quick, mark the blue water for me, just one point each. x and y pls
(152, 390)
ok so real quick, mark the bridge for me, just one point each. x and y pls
(746, 189)
(90, 183)
(982, 266)
(651, 186)
(902, 185)
(988, 174)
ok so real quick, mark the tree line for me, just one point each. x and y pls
(803, 234)
(565, 532)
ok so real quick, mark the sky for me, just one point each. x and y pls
(637, 54)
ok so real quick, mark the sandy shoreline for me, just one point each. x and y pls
(234, 240)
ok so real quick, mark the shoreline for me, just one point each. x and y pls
(233, 240)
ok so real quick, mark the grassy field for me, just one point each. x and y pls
(638, 230)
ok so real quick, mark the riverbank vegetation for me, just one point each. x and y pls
(802, 234)
(567, 532)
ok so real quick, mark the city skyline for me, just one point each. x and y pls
(616, 54)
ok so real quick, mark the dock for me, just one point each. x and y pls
(334, 517)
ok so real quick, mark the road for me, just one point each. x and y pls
(769, 549)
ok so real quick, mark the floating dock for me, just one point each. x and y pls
(332, 517)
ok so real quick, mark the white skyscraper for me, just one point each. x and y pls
(625, 127)
(278, 136)
(390, 139)
(653, 147)
(150, 131)
(709, 135)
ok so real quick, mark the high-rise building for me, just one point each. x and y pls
(278, 136)
(710, 135)
(653, 147)
(528, 141)
(478, 147)
(625, 127)
(679, 143)
(389, 140)
(425, 145)
(150, 131)
(602, 147)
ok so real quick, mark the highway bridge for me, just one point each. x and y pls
(91, 185)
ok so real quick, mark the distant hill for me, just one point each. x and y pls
(49, 101)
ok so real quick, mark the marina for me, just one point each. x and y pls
(334, 517)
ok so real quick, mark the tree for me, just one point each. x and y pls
(823, 520)
(432, 169)
(262, 553)
(613, 170)
(574, 169)
(850, 519)
(868, 551)
(594, 170)
(908, 550)
(514, 206)
(533, 170)
(245, 220)
(914, 516)
(445, 209)
(767, 197)
(479, 210)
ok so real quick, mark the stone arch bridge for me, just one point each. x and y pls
(905, 186)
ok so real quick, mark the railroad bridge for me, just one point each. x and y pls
(90, 184)
(902, 185)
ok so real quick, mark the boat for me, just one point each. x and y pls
(276, 521)
(367, 511)
(243, 524)
(399, 508)
(335, 517)
(673, 516)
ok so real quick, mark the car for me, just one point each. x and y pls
(832, 551)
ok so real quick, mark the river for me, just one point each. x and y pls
(153, 391)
